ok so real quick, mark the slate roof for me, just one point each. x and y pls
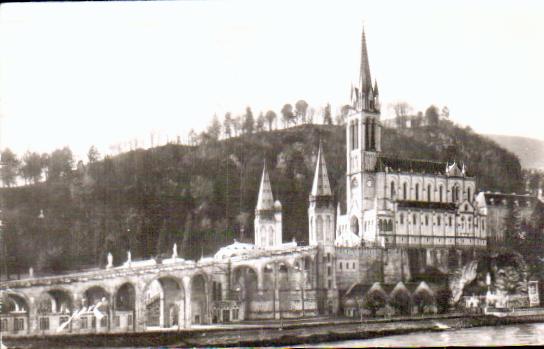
(426, 205)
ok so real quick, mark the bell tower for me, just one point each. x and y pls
(363, 137)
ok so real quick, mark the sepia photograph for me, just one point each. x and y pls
(235, 173)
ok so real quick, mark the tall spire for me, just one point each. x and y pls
(265, 200)
(365, 81)
(321, 185)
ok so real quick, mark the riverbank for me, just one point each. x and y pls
(273, 333)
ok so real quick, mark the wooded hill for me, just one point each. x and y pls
(201, 196)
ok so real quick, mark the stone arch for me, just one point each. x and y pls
(14, 302)
(55, 301)
(164, 302)
(245, 285)
(199, 298)
(124, 305)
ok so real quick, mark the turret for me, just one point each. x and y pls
(321, 210)
(268, 217)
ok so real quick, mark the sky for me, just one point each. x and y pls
(106, 73)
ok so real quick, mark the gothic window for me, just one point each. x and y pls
(401, 218)
(405, 191)
(392, 189)
(340, 265)
(429, 193)
(417, 191)
(438, 221)
(426, 220)
(270, 236)
(319, 227)
(328, 229)
(469, 195)
(450, 221)
(263, 236)
(440, 193)
(415, 219)
(354, 225)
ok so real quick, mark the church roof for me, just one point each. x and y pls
(426, 205)
(393, 164)
(408, 165)
(265, 200)
(321, 185)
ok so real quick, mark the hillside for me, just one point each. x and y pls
(201, 196)
(530, 151)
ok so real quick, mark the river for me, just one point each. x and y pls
(522, 334)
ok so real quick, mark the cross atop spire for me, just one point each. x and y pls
(265, 200)
(321, 185)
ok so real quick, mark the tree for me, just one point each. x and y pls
(93, 155)
(432, 115)
(510, 281)
(423, 300)
(445, 112)
(343, 115)
(227, 125)
(60, 163)
(402, 109)
(301, 107)
(270, 117)
(32, 167)
(287, 114)
(237, 125)
(402, 302)
(10, 167)
(374, 301)
(259, 126)
(249, 121)
(327, 117)
(214, 130)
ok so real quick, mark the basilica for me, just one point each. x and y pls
(403, 217)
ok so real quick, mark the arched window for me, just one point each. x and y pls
(469, 195)
(450, 221)
(390, 228)
(415, 219)
(270, 236)
(319, 227)
(429, 192)
(392, 189)
(263, 236)
(405, 191)
(401, 218)
(438, 221)
(440, 193)
(426, 220)
(417, 191)
(354, 225)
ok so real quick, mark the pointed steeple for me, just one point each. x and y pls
(365, 80)
(376, 93)
(265, 200)
(321, 185)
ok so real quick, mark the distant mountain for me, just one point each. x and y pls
(530, 151)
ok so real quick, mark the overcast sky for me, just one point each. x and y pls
(86, 73)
